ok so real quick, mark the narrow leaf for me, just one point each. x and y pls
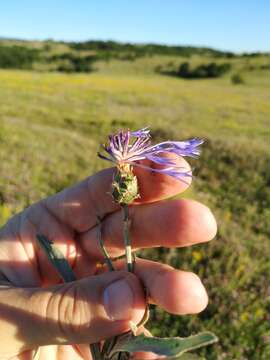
(65, 271)
(170, 347)
(56, 258)
(188, 356)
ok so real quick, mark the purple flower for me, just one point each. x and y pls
(129, 147)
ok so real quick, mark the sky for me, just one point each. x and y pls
(234, 25)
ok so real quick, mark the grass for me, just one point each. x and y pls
(51, 124)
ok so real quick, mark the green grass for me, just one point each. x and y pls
(51, 125)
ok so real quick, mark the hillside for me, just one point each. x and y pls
(51, 125)
(90, 55)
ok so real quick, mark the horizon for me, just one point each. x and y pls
(3, 38)
(227, 26)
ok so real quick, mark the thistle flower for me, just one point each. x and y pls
(127, 148)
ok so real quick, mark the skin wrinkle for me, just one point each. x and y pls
(78, 310)
(42, 308)
(47, 311)
(128, 279)
(71, 296)
(63, 309)
(64, 312)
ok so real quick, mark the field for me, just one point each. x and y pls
(51, 125)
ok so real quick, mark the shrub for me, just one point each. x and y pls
(70, 62)
(184, 70)
(210, 70)
(237, 79)
(17, 57)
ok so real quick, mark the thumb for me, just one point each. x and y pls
(84, 311)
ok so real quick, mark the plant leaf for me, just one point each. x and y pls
(65, 271)
(170, 347)
(188, 357)
(56, 258)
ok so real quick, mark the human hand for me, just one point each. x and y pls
(36, 310)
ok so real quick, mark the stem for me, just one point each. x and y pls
(107, 258)
(110, 342)
(95, 351)
(127, 241)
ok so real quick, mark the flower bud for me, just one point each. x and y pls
(125, 187)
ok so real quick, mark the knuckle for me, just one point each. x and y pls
(70, 312)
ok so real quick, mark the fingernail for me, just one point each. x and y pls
(118, 300)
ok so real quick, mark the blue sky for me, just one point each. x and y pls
(239, 25)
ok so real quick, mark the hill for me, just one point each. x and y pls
(83, 56)
(51, 125)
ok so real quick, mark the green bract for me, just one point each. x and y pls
(125, 187)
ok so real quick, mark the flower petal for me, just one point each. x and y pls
(145, 132)
(180, 175)
(123, 151)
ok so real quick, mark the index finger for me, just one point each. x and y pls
(80, 205)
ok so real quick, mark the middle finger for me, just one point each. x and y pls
(173, 223)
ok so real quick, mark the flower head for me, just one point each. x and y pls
(127, 148)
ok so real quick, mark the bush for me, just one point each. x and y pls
(70, 62)
(17, 57)
(210, 70)
(184, 70)
(237, 79)
(115, 48)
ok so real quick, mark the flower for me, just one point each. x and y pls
(127, 148)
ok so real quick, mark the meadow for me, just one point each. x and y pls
(51, 125)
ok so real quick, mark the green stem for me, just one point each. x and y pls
(110, 342)
(107, 258)
(127, 241)
(95, 351)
